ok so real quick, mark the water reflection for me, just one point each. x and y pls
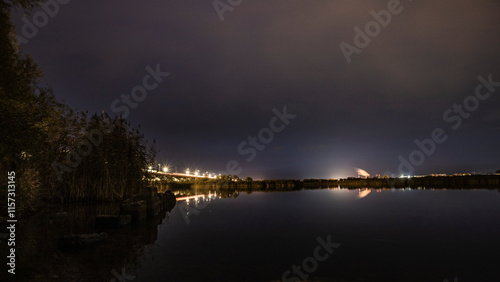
(40, 259)
(199, 197)
(399, 235)
(254, 236)
(363, 193)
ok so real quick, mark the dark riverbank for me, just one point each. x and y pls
(82, 242)
(449, 182)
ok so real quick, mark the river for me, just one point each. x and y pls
(313, 235)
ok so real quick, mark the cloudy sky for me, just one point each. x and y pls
(226, 77)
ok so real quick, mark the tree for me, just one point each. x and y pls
(24, 107)
(19, 113)
(37, 131)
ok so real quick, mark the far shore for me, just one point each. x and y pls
(491, 181)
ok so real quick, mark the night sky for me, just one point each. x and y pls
(226, 77)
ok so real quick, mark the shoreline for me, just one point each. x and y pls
(438, 182)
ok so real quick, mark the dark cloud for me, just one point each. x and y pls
(226, 77)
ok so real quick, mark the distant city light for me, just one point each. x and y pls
(165, 169)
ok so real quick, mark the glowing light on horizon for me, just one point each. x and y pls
(362, 173)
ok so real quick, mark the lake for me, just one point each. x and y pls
(312, 235)
(329, 235)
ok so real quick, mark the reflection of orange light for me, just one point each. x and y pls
(190, 197)
(364, 193)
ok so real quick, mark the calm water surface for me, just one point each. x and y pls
(384, 235)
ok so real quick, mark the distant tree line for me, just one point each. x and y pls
(41, 137)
